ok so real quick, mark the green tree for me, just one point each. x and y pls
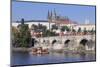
(92, 31)
(73, 30)
(42, 27)
(49, 33)
(34, 27)
(22, 35)
(25, 36)
(14, 36)
(85, 31)
(54, 27)
(79, 30)
(63, 28)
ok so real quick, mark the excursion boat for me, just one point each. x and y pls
(39, 50)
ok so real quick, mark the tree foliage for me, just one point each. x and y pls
(63, 28)
(54, 27)
(22, 35)
(79, 30)
(92, 31)
(85, 31)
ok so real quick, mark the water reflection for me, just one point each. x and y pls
(82, 55)
(54, 57)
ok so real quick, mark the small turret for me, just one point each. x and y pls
(22, 21)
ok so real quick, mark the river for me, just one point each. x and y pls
(23, 58)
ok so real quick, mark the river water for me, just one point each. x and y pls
(23, 58)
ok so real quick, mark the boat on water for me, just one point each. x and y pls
(39, 50)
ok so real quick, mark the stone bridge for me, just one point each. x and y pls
(71, 42)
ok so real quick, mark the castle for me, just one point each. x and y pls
(54, 18)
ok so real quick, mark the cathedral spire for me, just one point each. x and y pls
(51, 14)
(48, 16)
(55, 15)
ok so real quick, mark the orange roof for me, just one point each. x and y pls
(66, 21)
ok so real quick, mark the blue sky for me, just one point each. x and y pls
(39, 11)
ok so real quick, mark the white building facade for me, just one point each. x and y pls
(60, 21)
(35, 23)
(88, 27)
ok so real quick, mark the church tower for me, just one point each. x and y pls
(55, 15)
(49, 16)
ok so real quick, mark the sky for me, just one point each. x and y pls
(39, 11)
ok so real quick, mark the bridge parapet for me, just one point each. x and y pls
(63, 38)
(74, 41)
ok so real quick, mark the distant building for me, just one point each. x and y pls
(36, 22)
(58, 20)
(88, 27)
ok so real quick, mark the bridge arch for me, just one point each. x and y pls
(54, 41)
(84, 42)
(70, 41)
(91, 44)
(88, 44)
(66, 43)
(34, 42)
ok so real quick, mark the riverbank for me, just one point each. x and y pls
(75, 51)
(20, 49)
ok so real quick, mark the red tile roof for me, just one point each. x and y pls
(66, 21)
